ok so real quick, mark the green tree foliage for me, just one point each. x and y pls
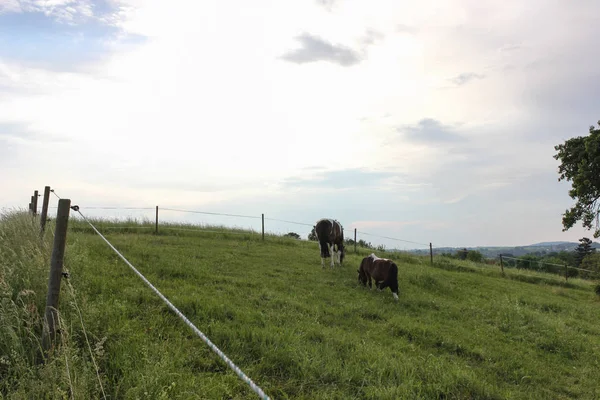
(591, 262)
(462, 254)
(552, 264)
(583, 249)
(580, 164)
(565, 257)
(365, 244)
(293, 235)
(312, 235)
(475, 256)
(529, 261)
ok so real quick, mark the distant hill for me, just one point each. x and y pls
(538, 249)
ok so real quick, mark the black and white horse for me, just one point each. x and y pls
(330, 235)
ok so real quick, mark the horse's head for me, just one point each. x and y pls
(362, 277)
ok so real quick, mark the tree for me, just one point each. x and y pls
(528, 261)
(364, 244)
(580, 164)
(293, 235)
(591, 262)
(583, 249)
(475, 256)
(462, 254)
(312, 235)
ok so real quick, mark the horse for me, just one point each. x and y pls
(383, 271)
(330, 235)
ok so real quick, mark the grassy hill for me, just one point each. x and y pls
(460, 330)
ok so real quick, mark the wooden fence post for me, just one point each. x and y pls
(56, 266)
(501, 264)
(263, 226)
(31, 205)
(430, 253)
(35, 202)
(156, 224)
(355, 241)
(44, 214)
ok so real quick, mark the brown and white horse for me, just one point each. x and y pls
(330, 235)
(383, 271)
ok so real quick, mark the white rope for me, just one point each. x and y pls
(231, 365)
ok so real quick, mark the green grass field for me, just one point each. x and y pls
(459, 331)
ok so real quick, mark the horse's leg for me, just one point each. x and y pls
(321, 254)
(394, 289)
(331, 254)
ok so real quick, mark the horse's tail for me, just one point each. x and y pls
(322, 241)
(324, 248)
(393, 278)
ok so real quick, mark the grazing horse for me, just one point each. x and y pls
(383, 271)
(330, 235)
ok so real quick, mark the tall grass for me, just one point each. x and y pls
(25, 372)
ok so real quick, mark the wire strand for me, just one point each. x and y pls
(238, 371)
(542, 262)
(289, 222)
(86, 337)
(118, 208)
(208, 231)
(391, 238)
(210, 213)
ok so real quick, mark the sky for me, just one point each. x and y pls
(426, 123)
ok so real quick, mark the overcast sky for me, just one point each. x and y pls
(429, 123)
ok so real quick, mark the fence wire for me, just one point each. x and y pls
(546, 263)
(210, 213)
(289, 222)
(118, 208)
(206, 340)
(247, 216)
(391, 238)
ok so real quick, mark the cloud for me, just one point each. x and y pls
(70, 12)
(61, 36)
(466, 77)
(315, 49)
(22, 133)
(327, 4)
(429, 130)
(372, 37)
(18, 141)
(340, 179)
(407, 29)
(381, 224)
(510, 47)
